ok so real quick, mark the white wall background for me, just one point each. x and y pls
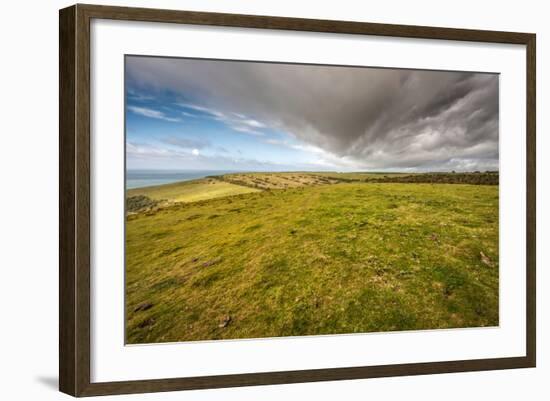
(29, 184)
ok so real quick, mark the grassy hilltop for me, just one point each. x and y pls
(285, 254)
(191, 191)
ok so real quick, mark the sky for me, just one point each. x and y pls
(197, 114)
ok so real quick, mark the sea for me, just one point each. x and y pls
(147, 178)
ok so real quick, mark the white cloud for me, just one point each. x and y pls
(253, 123)
(146, 155)
(276, 142)
(235, 121)
(138, 96)
(212, 112)
(245, 130)
(151, 113)
(298, 146)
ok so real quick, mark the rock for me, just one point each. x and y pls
(225, 321)
(146, 323)
(485, 259)
(143, 306)
(211, 262)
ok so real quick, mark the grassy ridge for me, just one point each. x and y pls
(287, 180)
(190, 191)
(277, 180)
(315, 259)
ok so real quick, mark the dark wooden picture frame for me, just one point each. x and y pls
(74, 202)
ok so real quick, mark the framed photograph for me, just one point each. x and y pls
(249, 200)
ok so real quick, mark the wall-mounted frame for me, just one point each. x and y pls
(85, 31)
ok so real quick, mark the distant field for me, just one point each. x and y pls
(191, 191)
(278, 180)
(311, 254)
(360, 176)
(302, 179)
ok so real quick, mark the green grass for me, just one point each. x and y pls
(191, 191)
(316, 259)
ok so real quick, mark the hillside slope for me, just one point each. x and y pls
(340, 258)
(191, 191)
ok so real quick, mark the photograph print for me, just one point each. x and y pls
(277, 199)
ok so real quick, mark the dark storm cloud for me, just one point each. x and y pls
(372, 118)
